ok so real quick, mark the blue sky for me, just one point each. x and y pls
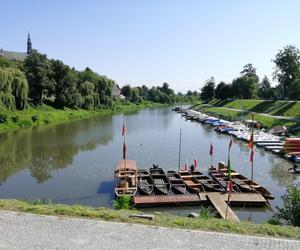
(182, 42)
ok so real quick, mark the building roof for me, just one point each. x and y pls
(13, 55)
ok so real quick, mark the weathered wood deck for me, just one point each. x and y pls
(221, 206)
(236, 199)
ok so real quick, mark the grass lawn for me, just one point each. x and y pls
(161, 219)
(280, 108)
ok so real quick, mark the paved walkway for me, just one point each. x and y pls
(28, 231)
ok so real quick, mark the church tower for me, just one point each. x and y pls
(29, 45)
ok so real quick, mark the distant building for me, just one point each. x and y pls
(18, 56)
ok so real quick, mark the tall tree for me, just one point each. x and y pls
(294, 90)
(208, 90)
(287, 67)
(223, 91)
(39, 75)
(265, 91)
(244, 87)
(250, 71)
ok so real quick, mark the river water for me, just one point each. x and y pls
(74, 162)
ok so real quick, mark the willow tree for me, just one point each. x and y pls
(13, 88)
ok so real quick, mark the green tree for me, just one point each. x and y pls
(287, 67)
(87, 92)
(208, 90)
(249, 71)
(126, 91)
(244, 87)
(39, 75)
(294, 90)
(265, 91)
(223, 91)
(290, 212)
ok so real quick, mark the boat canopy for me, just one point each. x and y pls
(126, 165)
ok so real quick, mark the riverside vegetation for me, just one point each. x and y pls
(41, 91)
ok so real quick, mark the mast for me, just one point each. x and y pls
(179, 155)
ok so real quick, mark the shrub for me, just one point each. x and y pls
(122, 202)
(207, 213)
(34, 118)
(15, 119)
(290, 212)
(3, 118)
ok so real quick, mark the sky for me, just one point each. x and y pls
(181, 42)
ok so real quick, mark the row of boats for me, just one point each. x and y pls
(133, 181)
(272, 141)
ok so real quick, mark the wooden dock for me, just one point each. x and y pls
(236, 199)
(221, 206)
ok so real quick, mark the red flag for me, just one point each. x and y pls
(211, 150)
(195, 162)
(252, 155)
(124, 151)
(230, 186)
(123, 130)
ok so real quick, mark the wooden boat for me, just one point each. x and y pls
(247, 185)
(126, 178)
(177, 184)
(160, 180)
(191, 182)
(209, 184)
(222, 179)
(145, 182)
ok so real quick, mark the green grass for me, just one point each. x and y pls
(45, 114)
(161, 219)
(280, 108)
(233, 115)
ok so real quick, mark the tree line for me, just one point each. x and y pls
(158, 94)
(39, 78)
(249, 86)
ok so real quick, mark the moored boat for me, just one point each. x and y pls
(191, 182)
(177, 184)
(247, 185)
(126, 178)
(145, 182)
(222, 179)
(208, 183)
(160, 180)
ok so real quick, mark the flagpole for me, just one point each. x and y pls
(252, 152)
(179, 156)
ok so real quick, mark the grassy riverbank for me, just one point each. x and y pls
(278, 108)
(45, 114)
(244, 108)
(161, 219)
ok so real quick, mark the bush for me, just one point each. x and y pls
(207, 213)
(34, 118)
(122, 202)
(3, 118)
(15, 119)
(290, 212)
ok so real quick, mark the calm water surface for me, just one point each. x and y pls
(74, 162)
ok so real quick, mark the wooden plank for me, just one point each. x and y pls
(220, 205)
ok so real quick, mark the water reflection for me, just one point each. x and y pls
(44, 150)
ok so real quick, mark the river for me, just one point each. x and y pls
(74, 162)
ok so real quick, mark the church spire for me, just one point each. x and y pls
(29, 45)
